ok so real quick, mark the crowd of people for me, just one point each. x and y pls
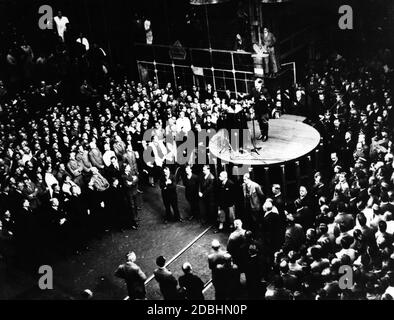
(71, 168)
(342, 219)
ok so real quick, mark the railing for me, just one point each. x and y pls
(224, 69)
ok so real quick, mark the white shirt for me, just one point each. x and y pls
(390, 291)
(107, 157)
(61, 25)
(50, 180)
(26, 158)
(183, 124)
(350, 252)
(85, 42)
(390, 228)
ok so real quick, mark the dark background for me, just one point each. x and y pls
(111, 23)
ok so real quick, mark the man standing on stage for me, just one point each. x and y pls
(269, 41)
(259, 94)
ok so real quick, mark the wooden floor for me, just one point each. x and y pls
(288, 139)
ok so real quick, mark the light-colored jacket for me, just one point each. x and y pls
(255, 199)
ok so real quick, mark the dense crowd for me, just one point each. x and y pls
(71, 168)
(335, 241)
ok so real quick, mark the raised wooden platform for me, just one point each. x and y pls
(289, 139)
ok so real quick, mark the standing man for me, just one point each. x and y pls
(61, 24)
(191, 184)
(261, 109)
(167, 282)
(236, 243)
(130, 183)
(130, 158)
(95, 156)
(253, 202)
(207, 194)
(269, 42)
(170, 196)
(226, 201)
(191, 283)
(215, 259)
(133, 276)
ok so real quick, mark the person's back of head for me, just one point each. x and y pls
(283, 267)
(160, 261)
(346, 241)
(215, 245)
(346, 260)
(187, 268)
(237, 224)
(131, 257)
(316, 252)
(87, 294)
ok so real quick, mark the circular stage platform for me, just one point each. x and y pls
(289, 139)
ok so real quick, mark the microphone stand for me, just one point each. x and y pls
(253, 138)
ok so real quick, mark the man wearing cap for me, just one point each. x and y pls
(133, 276)
(191, 283)
(167, 282)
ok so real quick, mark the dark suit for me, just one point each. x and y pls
(304, 214)
(25, 231)
(271, 230)
(130, 184)
(193, 286)
(207, 188)
(168, 283)
(92, 200)
(279, 202)
(363, 197)
(170, 197)
(118, 207)
(226, 199)
(77, 214)
(134, 278)
(227, 282)
(191, 194)
(214, 259)
(261, 109)
(112, 172)
(235, 245)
